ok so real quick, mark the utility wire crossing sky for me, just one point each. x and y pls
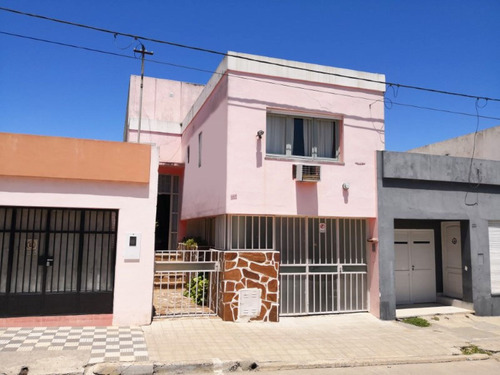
(41, 32)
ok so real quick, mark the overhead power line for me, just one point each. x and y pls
(200, 49)
(240, 77)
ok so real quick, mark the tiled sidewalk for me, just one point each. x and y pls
(104, 343)
(347, 337)
(336, 340)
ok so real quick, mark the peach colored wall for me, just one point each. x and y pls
(204, 192)
(137, 207)
(71, 158)
(264, 185)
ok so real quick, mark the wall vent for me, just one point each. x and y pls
(306, 173)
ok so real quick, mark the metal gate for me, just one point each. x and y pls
(323, 265)
(186, 282)
(56, 261)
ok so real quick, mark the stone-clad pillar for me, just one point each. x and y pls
(250, 269)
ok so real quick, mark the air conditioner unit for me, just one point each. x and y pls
(306, 173)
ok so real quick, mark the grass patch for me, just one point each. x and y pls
(416, 321)
(436, 318)
(474, 349)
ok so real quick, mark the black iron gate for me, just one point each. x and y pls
(56, 261)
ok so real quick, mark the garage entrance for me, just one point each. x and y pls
(415, 269)
(323, 265)
(56, 261)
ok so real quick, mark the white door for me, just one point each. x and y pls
(414, 266)
(452, 259)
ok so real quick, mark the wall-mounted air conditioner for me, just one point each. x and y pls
(306, 173)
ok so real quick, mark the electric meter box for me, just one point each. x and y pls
(132, 249)
(249, 303)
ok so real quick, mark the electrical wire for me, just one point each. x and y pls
(211, 51)
(385, 100)
(67, 45)
(476, 106)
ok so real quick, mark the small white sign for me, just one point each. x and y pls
(132, 248)
(322, 227)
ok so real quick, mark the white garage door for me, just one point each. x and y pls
(414, 266)
(494, 237)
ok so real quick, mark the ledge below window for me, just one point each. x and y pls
(297, 159)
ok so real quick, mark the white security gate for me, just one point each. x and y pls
(323, 265)
(186, 283)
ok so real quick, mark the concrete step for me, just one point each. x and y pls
(448, 301)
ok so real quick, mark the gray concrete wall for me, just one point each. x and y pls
(486, 145)
(426, 187)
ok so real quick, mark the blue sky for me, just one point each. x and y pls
(448, 45)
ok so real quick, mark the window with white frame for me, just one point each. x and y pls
(298, 136)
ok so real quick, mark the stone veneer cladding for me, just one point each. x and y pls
(250, 269)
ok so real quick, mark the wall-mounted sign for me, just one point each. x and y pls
(322, 227)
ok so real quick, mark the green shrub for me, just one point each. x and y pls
(474, 349)
(416, 321)
(197, 289)
(197, 240)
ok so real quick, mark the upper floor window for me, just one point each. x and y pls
(302, 136)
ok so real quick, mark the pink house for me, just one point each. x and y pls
(76, 224)
(273, 164)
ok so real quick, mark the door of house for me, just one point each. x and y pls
(56, 261)
(323, 265)
(167, 212)
(414, 266)
(452, 259)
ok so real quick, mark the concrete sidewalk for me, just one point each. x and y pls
(211, 345)
(337, 340)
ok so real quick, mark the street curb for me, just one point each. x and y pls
(148, 368)
(367, 362)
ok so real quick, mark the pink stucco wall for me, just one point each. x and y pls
(238, 178)
(373, 269)
(169, 145)
(165, 104)
(264, 185)
(137, 207)
(204, 192)
(163, 99)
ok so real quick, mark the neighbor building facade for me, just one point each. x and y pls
(76, 231)
(439, 224)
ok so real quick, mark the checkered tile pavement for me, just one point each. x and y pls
(105, 343)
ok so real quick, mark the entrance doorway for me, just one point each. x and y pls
(452, 259)
(415, 275)
(323, 265)
(167, 212)
(56, 261)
